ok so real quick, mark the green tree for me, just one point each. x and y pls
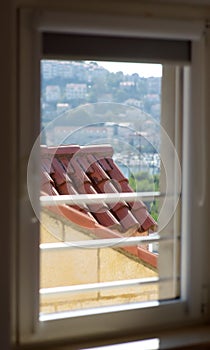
(143, 181)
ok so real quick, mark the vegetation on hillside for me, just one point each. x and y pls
(143, 181)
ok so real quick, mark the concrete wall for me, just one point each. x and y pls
(82, 266)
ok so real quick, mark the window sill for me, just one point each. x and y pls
(195, 337)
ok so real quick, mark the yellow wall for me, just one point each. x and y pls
(83, 266)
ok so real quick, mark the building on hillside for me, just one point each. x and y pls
(134, 103)
(53, 93)
(75, 91)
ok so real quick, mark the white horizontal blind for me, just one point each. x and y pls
(106, 242)
(98, 198)
(97, 286)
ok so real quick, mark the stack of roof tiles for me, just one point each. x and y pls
(70, 170)
(90, 170)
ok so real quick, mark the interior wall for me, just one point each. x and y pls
(6, 27)
(193, 9)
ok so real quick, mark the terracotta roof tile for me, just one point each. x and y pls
(115, 172)
(58, 173)
(47, 184)
(77, 169)
(137, 208)
(105, 165)
(104, 184)
(91, 170)
(83, 185)
(127, 220)
(99, 151)
(85, 165)
(63, 150)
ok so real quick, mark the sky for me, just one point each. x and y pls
(143, 69)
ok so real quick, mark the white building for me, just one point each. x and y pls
(53, 93)
(74, 91)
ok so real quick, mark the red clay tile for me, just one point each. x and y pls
(83, 185)
(63, 150)
(126, 219)
(61, 180)
(106, 219)
(149, 223)
(85, 165)
(59, 174)
(47, 165)
(125, 187)
(148, 257)
(65, 161)
(45, 178)
(47, 184)
(99, 151)
(132, 250)
(104, 164)
(79, 175)
(138, 208)
(97, 175)
(101, 211)
(64, 184)
(115, 172)
(104, 185)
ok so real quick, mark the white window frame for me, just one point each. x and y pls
(190, 308)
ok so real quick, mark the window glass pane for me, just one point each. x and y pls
(101, 134)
